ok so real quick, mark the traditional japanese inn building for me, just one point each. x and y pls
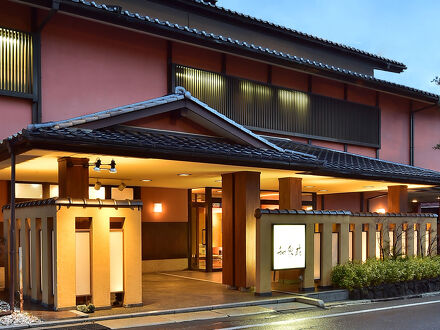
(144, 136)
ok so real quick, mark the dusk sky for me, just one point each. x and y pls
(406, 31)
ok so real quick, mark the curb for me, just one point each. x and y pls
(305, 300)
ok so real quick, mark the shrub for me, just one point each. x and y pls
(373, 272)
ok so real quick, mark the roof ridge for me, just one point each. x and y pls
(302, 34)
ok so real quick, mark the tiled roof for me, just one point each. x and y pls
(179, 94)
(259, 212)
(299, 33)
(172, 145)
(345, 163)
(218, 39)
(79, 202)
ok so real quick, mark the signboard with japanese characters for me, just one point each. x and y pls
(289, 247)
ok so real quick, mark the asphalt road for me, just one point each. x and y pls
(420, 313)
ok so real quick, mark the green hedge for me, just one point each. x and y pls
(373, 272)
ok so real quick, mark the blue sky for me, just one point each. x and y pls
(406, 31)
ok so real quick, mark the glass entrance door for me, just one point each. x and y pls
(206, 229)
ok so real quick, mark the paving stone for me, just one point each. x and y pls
(181, 317)
(238, 311)
(135, 322)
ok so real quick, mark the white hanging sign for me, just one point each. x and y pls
(289, 247)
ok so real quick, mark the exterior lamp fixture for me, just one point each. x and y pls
(122, 186)
(98, 185)
(97, 166)
(382, 211)
(157, 208)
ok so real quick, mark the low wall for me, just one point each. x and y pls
(362, 230)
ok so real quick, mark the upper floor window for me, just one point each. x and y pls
(267, 108)
(15, 61)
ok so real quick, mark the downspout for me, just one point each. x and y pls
(36, 59)
(411, 129)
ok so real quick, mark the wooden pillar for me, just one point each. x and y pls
(24, 239)
(398, 199)
(290, 190)
(372, 240)
(46, 190)
(326, 254)
(344, 241)
(357, 242)
(73, 177)
(241, 197)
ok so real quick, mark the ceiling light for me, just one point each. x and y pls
(414, 200)
(97, 167)
(146, 180)
(323, 190)
(218, 180)
(382, 211)
(309, 186)
(368, 186)
(122, 186)
(183, 174)
(98, 185)
(112, 166)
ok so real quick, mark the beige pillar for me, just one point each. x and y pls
(264, 258)
(133, 259)
(398, 237)
(357, 242)
(372, 240)
(290, 190)
(65, 258)
(35, 256)
(24, 239)
(423, 238)
(309, 272)
(434, 238)
(326, 254)
(47, 290)
(240, 199)
(410, 239)
(344, 232)
(100, 260)
(398, 199)
(385, 239)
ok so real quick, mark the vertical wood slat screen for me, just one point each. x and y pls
(274, 109)
(15, 61)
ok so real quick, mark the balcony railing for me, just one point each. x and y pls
(273, 109)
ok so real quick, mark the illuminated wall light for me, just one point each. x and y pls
(294, 100)
(157, 208)
(196, 76)
(381, 211)
(255, 89)
(414, 201)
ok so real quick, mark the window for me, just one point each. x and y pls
(29, 190)
(272, 109)
(15, 61)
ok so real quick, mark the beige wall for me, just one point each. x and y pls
(65, 251)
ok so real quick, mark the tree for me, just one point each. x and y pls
(436, 80)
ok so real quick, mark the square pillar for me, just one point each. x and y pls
(372, 240)
(290, 190)
(100, 261)
(309, 272)
(422, 229)
(410, 240)
(24, 239)
(398, 237)
(240, 199)
(357, 242)
(434, 238)
(132, 259)
(398, 199)
(263, 263)
(344, 241)
(326, 254)
(35, 259)
(47, 289)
